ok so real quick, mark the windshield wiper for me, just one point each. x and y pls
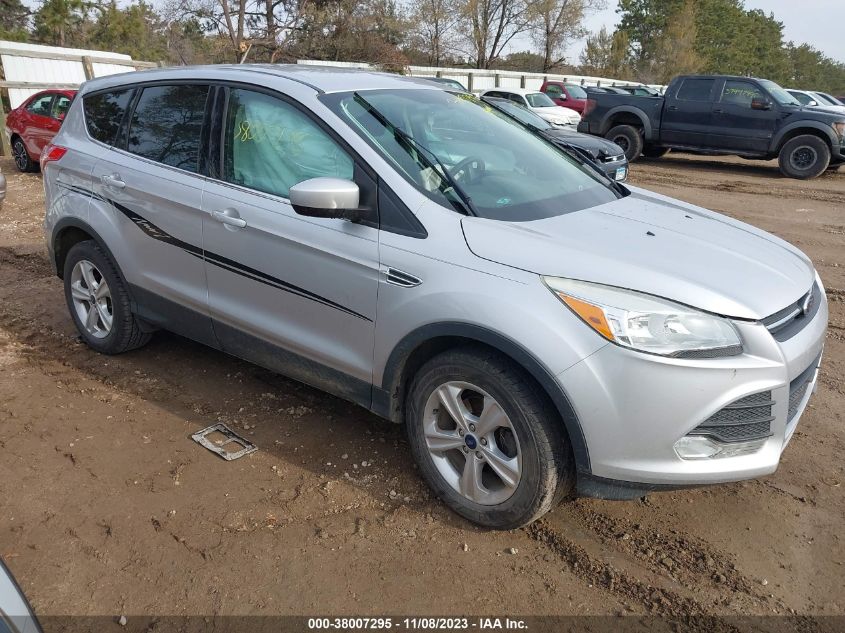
(410, 143)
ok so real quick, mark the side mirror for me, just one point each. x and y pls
(326, 198)
(761, 103)
(813, 102)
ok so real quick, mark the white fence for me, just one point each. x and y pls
(28, 68)
(475, 79)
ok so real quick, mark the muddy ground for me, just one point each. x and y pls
(107, 507)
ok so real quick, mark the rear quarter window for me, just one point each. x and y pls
(104, 112)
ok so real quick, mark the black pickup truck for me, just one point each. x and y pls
(719, 114)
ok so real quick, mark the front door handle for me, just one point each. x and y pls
(230, 217)
(719, 111)
(672, 108)
(113, 181)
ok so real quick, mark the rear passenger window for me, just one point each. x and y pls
(167, 123)
(270, 145)
(695, 89)
(104, 112)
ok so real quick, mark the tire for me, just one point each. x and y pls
(629, 139)
(86, 267)
(804, 157)
(22, 159)
(654, 151)
(528, 433)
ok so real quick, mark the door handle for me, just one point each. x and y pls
(113, 181)
(673, 108)
(718, 111)
(228, 217)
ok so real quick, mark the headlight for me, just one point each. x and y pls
(646, 323)
(839, 126)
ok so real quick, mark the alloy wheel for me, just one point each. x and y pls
(803, 157)
(472, 443)
(20, 155)
(91, 299)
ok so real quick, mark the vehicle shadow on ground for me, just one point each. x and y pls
(203, 386)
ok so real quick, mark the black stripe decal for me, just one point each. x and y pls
(225, 263)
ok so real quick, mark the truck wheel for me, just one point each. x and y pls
(486, 440)
(654, 151)
(804, 157)
(628, 138)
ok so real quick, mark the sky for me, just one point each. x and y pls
(820, 23)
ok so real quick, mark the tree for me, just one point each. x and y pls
(136, 30)
(14, 18)
(490, 26)
(555, 24)
(606, 55)
(61, 22)
(675, 51)
(434, 25)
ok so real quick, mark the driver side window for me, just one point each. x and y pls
(269, 145)
(741, 93)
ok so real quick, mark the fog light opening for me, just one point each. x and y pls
(701, 447)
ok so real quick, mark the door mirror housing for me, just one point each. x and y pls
(761, 103)
(326, 198)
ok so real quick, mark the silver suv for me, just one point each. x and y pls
(538, 328)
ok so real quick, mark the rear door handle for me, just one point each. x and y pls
(230, 217)
(719, 111)
(113, 181)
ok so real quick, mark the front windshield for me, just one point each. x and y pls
(507, 172)
(521, 114)
(779, 94)
(539, 100)
(576, 92)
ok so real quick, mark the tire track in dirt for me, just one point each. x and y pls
(736, 186)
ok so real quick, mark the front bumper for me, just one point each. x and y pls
(634, 407)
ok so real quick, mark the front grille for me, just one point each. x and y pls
(749, 418)
(786, 323)
(798, 389)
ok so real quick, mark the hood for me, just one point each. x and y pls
(596, 146)
(656, 245)
(558, 112)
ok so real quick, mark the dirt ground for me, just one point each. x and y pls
(108, 508)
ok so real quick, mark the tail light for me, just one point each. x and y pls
(589, 106)
(51, 153)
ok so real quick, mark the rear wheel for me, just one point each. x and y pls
(99, 301)
(22, 160)
(629, 139)
(804, 157)
(654, 151)
(486, 439)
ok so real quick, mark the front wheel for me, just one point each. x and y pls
(804, 157)
(486, 439)
(629, 139)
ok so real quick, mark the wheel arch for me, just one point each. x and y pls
(624, 115)
(799, 129)
(422, 344)
(68, 232)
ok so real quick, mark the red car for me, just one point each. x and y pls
(564, 94)
(34, 123)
